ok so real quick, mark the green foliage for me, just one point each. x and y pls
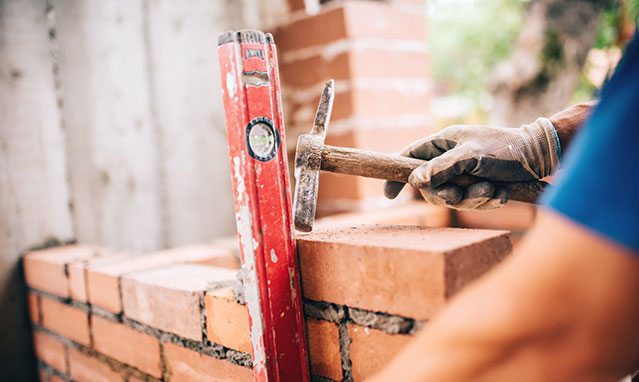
(468, 38)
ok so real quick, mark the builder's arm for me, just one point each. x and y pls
(501, 154)
(560, 308)
(563, 306)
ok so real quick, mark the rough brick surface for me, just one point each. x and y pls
(169, 298)
(404, 270)
(411, 213)
(323, 347)
(371, 349)
(185, 365)
(68, 321)
(104, 279)
(226, 320)
(50, 350)
(127, 345)
(46, 269)
(84, 368)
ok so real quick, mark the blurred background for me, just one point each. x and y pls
(112, 128)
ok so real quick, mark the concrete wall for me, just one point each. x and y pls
(111, 132)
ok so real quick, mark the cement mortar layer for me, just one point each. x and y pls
(391, 324)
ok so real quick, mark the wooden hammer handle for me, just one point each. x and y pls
(372, 164)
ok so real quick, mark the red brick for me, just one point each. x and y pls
(187, 365)
(514, 216)
(351, 20)
(84, 368)
(33, 302)
(371, 349)
(371, 103)
(46, 269)
(77, 273)
(323, 28)
(104, 279)
(411, 213)
(363, 63)
(127, 345)
(323, 347)
(50, 350)
(416, 268)
(66, 320)
(169, 298)
(226, 320)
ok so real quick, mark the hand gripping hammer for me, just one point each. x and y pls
(312, 155)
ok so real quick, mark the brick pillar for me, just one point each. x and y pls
(378, 56)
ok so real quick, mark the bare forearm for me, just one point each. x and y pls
(567, 122)
(548, 313)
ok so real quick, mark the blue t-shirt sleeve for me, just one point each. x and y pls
(599, 182)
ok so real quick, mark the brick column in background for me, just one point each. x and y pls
(378, 56)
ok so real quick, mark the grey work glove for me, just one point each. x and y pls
(530, 152)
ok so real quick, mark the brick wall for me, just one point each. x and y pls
(377, 54)
(178, 315)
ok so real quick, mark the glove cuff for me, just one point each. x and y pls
(544, 148)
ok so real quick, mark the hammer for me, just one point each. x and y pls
(312, 155)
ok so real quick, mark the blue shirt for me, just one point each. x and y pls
(599, 184)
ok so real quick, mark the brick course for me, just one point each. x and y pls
(84, 368)
(127, 345)
(104, 279)
(188, 365)
(46, 269)
(65, 320)
(50, 350)
(169, 298)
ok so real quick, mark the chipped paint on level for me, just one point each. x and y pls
(273, 256)
(231, 86)
(249, 273)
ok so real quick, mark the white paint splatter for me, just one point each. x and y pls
(248, 274)
(231, 83)
(273, 256)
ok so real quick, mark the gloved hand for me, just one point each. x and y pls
(530, 152)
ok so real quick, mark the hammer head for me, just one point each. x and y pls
(308, 162)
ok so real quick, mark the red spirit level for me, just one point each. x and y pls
(270, 272)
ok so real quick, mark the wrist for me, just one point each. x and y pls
(542, 148)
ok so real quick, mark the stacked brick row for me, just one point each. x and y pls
(105, 316)
(179, 315)
(377, 54)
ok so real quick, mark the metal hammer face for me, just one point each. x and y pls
(308, 161)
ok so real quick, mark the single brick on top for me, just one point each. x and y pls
(169, 298)
(405, 270)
